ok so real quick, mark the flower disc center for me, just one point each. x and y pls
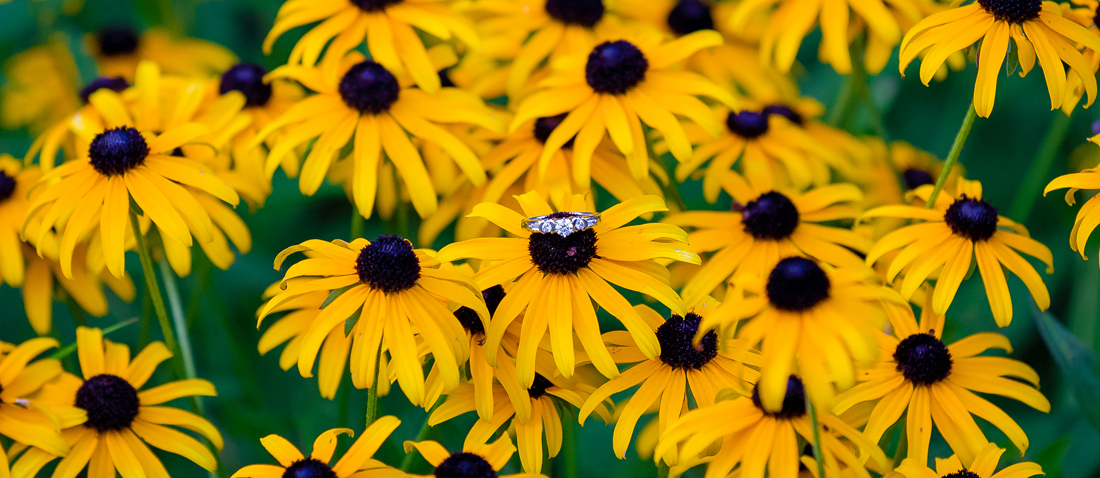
(1013, 11)
(374, 5)
(794, 402)
(797, 284)
(465, 465)
(469, 319)
(916, 177)
(585, 13)
(689, 16)
(554, 254)
(747, 124)
(974, 219)
(770, 216)
(116, 84)
(388, 264)
(964, 473)
(110, 402)
(923, 359)
(118, 41)
(786, 112)
(544, 127)
(675, 337)
(247, 78)
(7, 186)
(309, 468)
(539, 386)
(369, 87)
(615, 67)
(117, 150)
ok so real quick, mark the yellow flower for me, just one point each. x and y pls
(1086, 221)
(533, 410)
(1037, 28)
(386, 25)
(15, 185)
(820, 318)
(955, 231)
(754, 439)
(21, 418)
(792, 20)
(474, 459)
(44, 280)
(985, 464)
(363, 102)
(766, 226)
(125, 158)
(357, 461)
(40, 89)
(119, 50)
(559, 276)
(388, 289)
(930, 382)
(619, 86)
(107, 421)
(682, 368)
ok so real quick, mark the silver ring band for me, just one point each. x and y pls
(561, 223)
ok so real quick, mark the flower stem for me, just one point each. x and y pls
(154, 294)
(79, 318)
(372, 393)
(953, 155)
(662, 469)
(357, 223)
(569, 447)
(816, 426)
(178, 320)
(1036, 176)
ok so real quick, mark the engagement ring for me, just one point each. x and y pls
(561, 223)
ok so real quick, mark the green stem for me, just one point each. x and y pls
(1036, 176)
(953, 155)
(372, 393)
(77, 312)
(343, 397)
(662, 469)
(903, 444)
(178, 320)
(357, 223)
(146, 328)
(818, 453)
(569, 447)
(69, 349)
(421, 435)
(154, 294)
(863, 88)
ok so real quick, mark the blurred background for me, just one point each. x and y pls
(256, 398)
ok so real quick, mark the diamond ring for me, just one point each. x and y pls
(561, 223)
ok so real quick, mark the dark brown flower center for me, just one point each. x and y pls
(689, 16)
(1013, 11)
(470, 320)
(916, 177)
(7, 186)
(747, 124)
(465, 465)
(554, 254)
(118, 41)
(369, 87)
(585, 13)
(974, 219)
(794, 402)
(923, 359)
(771, 216)
(615, 67)
(110, 402)
(388, 264)
(675, 337)
(374, 5)
(309, 468)
(117, 150)
(544, 127)
(247, 78)
(116, 84)
(539, 386)
(797, 284)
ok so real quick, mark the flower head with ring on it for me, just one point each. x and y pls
(1037, 29)
(559, 277)
(618, 86)
(108, 421)
(358, 461)
(388, 289)
(561, 223)
(957, 231)
(931, 382)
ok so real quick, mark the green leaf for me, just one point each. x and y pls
(1076, 361)
(68, 349)
(350, 323)
(1012, 60)
(334, 294)
(1052, 456)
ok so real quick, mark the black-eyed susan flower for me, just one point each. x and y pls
(755, 440)
(768, 148)
(932, 382)
(1085, 222)
(475, 460)
(683, 370)
(358, 461)
(985, 466)
(119, 49)
(41, 87)
(559, 277)
(125, 158)
(789, 21)
(44, 281)
(767, 225)
(391, 29)
(1037, 28)
(808, 317)
(363, 103)
(533, 414)
(957, 231)
(107, 422)
(21, 376)
(15, 184)
(618, 86)
(388, 289)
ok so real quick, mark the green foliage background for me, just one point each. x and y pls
(256, 398)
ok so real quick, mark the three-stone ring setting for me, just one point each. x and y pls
(561, 223)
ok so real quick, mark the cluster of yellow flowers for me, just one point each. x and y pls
(803, 323)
